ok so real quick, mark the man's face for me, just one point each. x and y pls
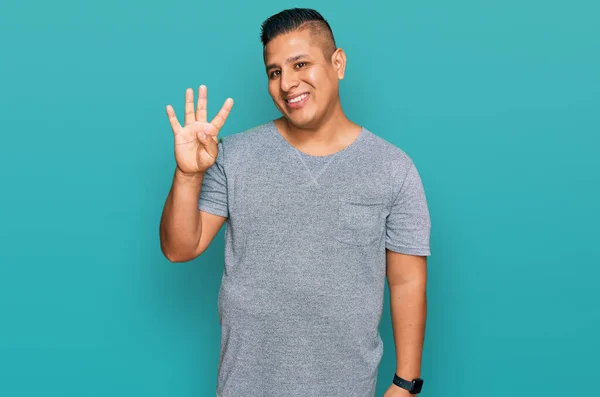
(302, 81)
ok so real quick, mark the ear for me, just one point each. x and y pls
(338, 60)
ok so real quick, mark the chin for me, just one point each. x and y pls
(301, 121)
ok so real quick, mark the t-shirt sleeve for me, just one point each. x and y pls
(213, 195)
(408, 225)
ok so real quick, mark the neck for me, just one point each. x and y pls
(333, 128)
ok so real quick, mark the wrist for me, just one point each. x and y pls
(412, 385)
(403, 373)
(189, 180)
(188, 175)
(400, 392)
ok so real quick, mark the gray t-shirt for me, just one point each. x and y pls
(302, 291)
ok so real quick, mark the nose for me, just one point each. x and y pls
(288, 81)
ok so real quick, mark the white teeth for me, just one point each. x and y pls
(298, 99)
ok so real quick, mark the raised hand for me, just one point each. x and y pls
(196, 143)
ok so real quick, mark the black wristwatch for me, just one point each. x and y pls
(413, 387)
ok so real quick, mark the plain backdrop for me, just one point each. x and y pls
(497, 102)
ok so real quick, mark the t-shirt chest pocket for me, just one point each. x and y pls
(360, 219)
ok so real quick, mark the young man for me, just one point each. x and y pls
(319, 211)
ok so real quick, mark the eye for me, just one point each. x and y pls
(274, 74)
(300, 64)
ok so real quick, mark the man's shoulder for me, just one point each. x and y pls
(386, 150)
(244, 145)
(245, 137)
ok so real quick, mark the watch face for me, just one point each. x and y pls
(417, 384)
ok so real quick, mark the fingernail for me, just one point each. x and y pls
(202, 135)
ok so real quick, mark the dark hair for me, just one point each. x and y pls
(295, 19)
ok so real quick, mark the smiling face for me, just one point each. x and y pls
(303, 81)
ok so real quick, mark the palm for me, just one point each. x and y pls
(193, 153)
(190, 155)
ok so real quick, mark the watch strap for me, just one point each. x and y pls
(414, 386)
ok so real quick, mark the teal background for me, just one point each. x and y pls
(497, 102)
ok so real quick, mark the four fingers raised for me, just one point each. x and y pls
(216, 123)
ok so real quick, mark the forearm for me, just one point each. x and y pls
(180, 226)
(408, 304)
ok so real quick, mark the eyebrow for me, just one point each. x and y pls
(289, 60)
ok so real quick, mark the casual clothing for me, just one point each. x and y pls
(302, 291)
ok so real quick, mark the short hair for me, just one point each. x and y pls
(294, 19)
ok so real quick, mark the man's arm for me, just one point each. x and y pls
(407, 279)
(185, 231)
